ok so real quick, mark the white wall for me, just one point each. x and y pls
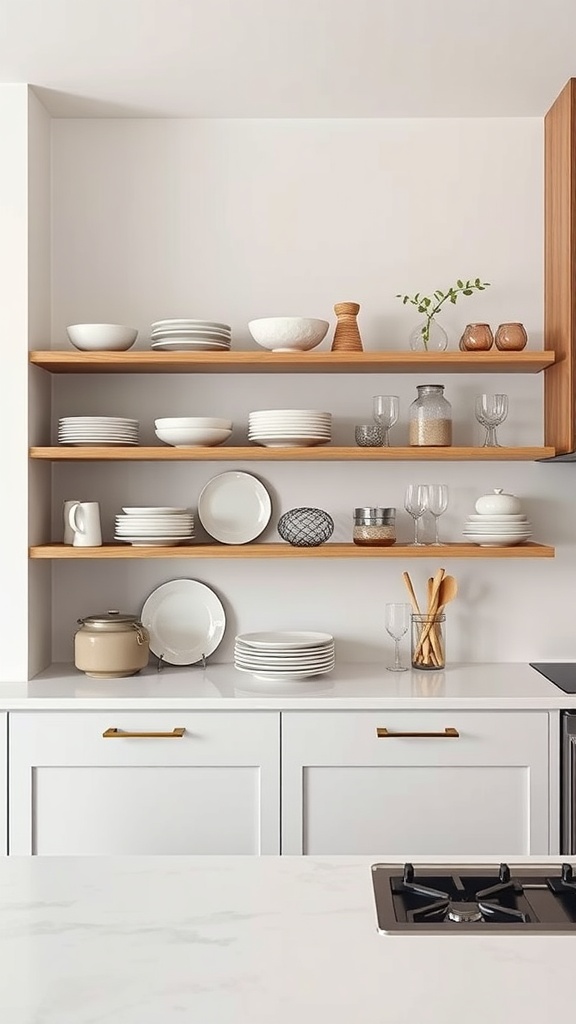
(230, 220)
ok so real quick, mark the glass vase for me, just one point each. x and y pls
(429, 336)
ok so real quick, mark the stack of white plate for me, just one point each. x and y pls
(503, 530)
(284, 655)
(161, 526)
(190, 336)
(97, 430)
(289, 428)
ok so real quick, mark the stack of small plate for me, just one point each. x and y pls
(503, 530)
(284, 655)
(190, 336)
(289, 428)
(160, 526)
(104, 431)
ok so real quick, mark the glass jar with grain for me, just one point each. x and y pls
(374, 526)
(430, 418)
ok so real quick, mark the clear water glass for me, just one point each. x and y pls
(437, 503)
(397, 619)
(491, 411)
(416, 503)
(386, 409)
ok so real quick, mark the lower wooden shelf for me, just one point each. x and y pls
(66, 551)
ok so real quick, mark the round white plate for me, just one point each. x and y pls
(284, 675)
(78, 420)
(285, 640)
(496, 542)
(185, 620)
(188, 346)
(234, 507)
(192, 332)
(289, 412)
(143, 510)
(101, 444)
(189, 323)
(153, 542)
(290, 442)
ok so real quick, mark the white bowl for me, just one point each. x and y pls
(191, 437)
(498, 503)
(199, 422)
(288, 333)
(102, 337)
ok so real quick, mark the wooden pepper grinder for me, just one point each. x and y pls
(347, 336)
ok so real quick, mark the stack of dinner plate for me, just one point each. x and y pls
(97, 430)
(190, 336)
(289, 428)
(161, 526)
(503, 530)
(284, 655)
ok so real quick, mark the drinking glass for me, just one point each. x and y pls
(436, 503)
(491, 410)
(397, 619)
(415, 503)
(386, 409)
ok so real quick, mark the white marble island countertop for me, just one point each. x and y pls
(353, 685)
(248, 940)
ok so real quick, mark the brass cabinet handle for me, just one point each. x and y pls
(448, 733)
(119, 734)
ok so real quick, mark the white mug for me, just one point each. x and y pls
(68, 531)
(84, 520)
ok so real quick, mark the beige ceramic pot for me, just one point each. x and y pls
(111, 645)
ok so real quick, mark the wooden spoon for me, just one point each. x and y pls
(447, 592)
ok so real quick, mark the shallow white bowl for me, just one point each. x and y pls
(102, 337)
(198, 422)
(288, 333)
(191, 437)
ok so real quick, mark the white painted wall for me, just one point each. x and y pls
(230, 220)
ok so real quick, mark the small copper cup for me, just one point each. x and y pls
(476, 338)
(511, 337)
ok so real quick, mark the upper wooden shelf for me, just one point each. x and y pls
(253, 453)
(276, 550)
(147, 361)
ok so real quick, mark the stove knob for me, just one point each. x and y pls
(567, 873)
(504, 873)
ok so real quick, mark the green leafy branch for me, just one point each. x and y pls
(430, 305)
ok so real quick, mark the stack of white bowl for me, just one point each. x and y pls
(161, 526)
(498, 522)
(284, 655)
(101, 431)
(289, 428)
(190, 336)
(192, 431)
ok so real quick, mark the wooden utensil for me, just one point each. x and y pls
(433, 605)
(446, 593)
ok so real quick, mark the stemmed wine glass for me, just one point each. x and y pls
(397, 619)
(416, 503)
(436, 503)
(491, 410)
(385, 410)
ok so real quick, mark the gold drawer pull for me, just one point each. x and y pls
(119, 734)
(448, 733)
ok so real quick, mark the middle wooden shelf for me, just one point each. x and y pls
(329, 453)
(276, 550)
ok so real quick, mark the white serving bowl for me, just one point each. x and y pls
(288, 333)
(199, 422)
(191, 437)
(102, 337)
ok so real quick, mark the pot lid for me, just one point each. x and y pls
(107, 620)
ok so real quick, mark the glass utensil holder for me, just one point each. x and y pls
(428, 642)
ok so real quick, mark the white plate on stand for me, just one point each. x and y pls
(185, 620)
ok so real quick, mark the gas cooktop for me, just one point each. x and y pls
(477, 898)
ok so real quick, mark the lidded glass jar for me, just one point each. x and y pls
(430, 417)
(111, 645)
(374, 526)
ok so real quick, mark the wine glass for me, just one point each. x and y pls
(397, 618)
(415, 503)
(386, 409)
(491, 410)
(436, 503)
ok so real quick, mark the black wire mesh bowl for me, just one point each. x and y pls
(305, 527)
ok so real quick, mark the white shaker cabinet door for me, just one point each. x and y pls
(102, 783)
(416, 789)
(3, 784)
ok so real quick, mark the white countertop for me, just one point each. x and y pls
(507, 686)
(251, 940)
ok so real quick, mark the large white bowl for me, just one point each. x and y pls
(191, 437)
(199, 422)
(288, 333)
(102, 337)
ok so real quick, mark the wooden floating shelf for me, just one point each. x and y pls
(148, 361)
(253, 453)
(66, 551)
